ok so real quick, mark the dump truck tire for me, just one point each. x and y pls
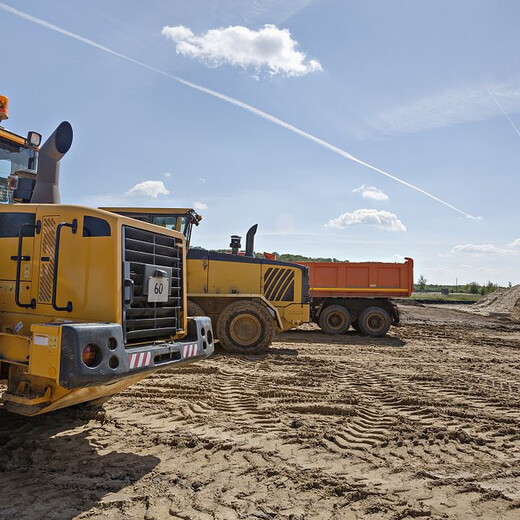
(194, 309)
(335, 319)
(245, 327)
(374, 321)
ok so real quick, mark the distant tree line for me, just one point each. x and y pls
(469, 288)
(286, 257)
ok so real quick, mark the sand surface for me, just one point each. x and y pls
(424, 423)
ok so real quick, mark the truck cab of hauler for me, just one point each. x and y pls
(90, 301)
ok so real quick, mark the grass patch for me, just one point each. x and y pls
(451, 297)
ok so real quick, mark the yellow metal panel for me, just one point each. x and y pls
(155, 211)
(14, 349)
(184, 304)
(45, 351)
(89, 271)
(234, 277)
(6, 295)
(12, 137)
(197, 274)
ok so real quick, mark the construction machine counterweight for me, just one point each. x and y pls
(90, 302)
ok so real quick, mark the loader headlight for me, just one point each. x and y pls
(91, 355)
(34, 139)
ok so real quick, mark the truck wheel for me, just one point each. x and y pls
(334, 319)
(194, 309)
(245, 327)
(374, 321)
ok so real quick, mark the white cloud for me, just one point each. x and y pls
(268, 48)
(167, 174)
(200, 206)
(203, 180)
(481, 249)
(148, 189)
(515, 243)
(371, 192)
(450, 107)
(368, 217)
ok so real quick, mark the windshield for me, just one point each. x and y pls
(176, 219)
(14, 158)
(176, 223)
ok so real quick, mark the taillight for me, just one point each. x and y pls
(91, 355)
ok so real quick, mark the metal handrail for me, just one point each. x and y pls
(19, 259)
(74, 226)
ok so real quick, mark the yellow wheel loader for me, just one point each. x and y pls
(90, 301)
(248, 298)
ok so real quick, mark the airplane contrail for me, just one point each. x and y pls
(504, 112)
(231, 100)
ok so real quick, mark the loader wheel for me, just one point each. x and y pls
(194, 309)
(374, 321)
(245, 327)
(335, 319)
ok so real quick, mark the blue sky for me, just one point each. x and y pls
(427, 91)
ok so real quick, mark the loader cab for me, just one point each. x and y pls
(177, 219)
(18, 164)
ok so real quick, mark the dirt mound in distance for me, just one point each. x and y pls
(505, 301)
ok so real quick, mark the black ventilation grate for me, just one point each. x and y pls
(144, 320)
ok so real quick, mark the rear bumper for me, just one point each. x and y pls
(55, 375)
(115, 362)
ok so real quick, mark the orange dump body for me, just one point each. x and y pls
(360, 279)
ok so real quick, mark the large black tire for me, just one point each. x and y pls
(245, 327)
(374, 321)
(194, 309)
(335, 319)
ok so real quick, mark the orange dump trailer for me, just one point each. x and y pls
(358, 294)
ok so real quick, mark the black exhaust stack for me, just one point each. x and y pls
(250, 241)
(46, 190)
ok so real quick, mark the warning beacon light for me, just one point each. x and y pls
(4, 108)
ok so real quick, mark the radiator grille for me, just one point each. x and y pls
(48, 245)
(143, 320)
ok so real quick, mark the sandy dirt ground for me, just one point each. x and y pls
(424, 423)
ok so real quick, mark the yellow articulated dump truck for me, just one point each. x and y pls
(90, 301)
(248, 298)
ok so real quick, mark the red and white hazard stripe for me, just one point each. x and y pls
(140, 360)
(189, 350)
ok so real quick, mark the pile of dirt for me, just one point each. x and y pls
(501, 301)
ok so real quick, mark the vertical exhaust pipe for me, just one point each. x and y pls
(46, 189)
(250, 241)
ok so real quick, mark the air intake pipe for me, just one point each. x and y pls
(46, 189)
(250, 241)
